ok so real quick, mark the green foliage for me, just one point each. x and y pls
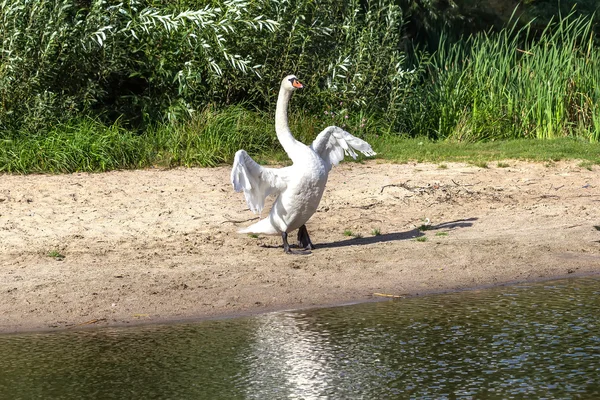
(212, 137)
(143, 61)
(100, 84)
(403, 149)
(132, 60)
(207, 139)
(56, 255)
(424, 227)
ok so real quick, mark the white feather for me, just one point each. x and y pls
(333, 143)
(255, 181)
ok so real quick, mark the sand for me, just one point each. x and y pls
(149, 246)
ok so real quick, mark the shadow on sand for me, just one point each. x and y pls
(389, 237)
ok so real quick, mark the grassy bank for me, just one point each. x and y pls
(101, 86)
(208, 139)
(399, 149)
(212, 138)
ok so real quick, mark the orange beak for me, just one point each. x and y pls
(296, 83)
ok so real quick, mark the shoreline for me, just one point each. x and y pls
(166, 321)
(160, 246)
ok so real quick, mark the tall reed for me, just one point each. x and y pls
(509, 85)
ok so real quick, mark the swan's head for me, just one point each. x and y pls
(291, 83)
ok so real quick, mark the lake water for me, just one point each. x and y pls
(526, 341)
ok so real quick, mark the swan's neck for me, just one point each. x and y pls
(284, 135)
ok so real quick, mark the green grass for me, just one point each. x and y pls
(348, 232)
(213, 136)
(441, 234)
(425, 226)
(421, 239)
(376, 232)
(401, 149)
(209, 139)
(56, 255)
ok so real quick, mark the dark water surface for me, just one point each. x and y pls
(526, 341)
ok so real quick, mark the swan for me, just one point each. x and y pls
(299, 187)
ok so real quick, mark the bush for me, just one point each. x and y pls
(159, 73)
(143, 61)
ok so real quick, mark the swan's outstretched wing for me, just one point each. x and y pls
(257, 182)
(334, 142)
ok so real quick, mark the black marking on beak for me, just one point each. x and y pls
(296, 83)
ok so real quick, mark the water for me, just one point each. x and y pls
(538, 341)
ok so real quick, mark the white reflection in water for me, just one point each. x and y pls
(288, 359)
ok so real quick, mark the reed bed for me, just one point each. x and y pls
(512, 85)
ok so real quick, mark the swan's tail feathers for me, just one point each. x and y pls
(334, 143)
(263, 226)
(255, 181)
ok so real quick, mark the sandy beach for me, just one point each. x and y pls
(151, 246)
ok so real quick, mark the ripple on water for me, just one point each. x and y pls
(524, 341)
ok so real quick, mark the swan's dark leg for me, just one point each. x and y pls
(286, 245)
(301, 237)
(304, 240)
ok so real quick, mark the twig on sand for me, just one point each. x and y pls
(366, 207)
(402, 185)
(393, 296)
(233, 221)
(367, 219)
(92, 321)
(463, 184)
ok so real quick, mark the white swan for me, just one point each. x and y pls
(298, 187)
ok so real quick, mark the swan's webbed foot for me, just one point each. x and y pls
(286, 246)
(304, 240)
